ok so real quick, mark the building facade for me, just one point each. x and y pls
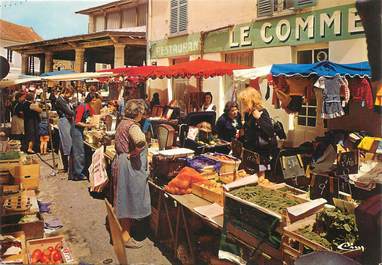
(116, 37)
(259, 33)
(14, 34)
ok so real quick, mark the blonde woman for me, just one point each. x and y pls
(259, 134)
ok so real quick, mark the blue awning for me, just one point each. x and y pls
(62, 72)
(324, 68)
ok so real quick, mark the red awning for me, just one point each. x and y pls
(204, 68)
(196, 68)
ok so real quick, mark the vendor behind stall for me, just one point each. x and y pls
(66, 114)
(77, 161)
(130, 175)
(259, 134)
(207, 103)
(229, 124)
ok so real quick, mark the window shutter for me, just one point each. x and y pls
(264, 8)
(174, 17)
(183, 15)
(300, 3)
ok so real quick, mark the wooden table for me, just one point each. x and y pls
(184, 204)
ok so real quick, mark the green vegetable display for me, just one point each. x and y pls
(332, 228)
(273, 200)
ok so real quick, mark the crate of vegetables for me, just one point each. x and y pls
(259, 211)
(51, 250)
(328, 230)
(211, 191)
(228, 163)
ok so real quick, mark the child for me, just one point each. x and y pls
(44, 133)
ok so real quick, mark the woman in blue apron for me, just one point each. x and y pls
(66, 114)
(77, 155)
(130, 171)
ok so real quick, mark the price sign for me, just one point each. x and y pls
(237, 148)
(251, 161)
(347, 163)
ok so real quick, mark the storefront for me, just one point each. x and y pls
(334, 34)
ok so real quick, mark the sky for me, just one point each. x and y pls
(49, 18)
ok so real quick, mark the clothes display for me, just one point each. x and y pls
(331, 107)
(300, 86)
(360, 90)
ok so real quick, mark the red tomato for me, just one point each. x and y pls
(56, 255)
(47, 253)
(45, 259)
(36, 255)
(34, 260)
(50, 249)
(58, 246)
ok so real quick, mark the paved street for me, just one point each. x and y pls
(84, 218)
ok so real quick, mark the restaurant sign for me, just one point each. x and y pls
(177, 46)
(323, 25)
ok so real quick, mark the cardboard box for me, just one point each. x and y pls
(44, 243)
(18, 258)
(32, 230)
(27, 175)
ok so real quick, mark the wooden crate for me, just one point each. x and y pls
(50, 242)
(274, 255)
(23, 255)
(27, 175)
(207, 194)
(7, 165)
(293, 243)
(5, 178)
(296, 192)
(32, 230)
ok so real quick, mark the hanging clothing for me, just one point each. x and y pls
(130, 172)
(378, 100)
(331, 106)
(360, 90)
(300, 86)
(210, 107)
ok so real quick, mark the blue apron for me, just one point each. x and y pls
(132, 194)
(64, 127)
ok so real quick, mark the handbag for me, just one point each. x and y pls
(279, 129)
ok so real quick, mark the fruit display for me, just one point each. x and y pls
(202, 163)
(273, 200)
(181, 184)
(49, 255)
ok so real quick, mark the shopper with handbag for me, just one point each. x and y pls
(259, 134)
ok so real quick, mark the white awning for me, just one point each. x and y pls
(78, 76)
(13, 79)
(253, 73)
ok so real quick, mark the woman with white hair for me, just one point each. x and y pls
(130, 171)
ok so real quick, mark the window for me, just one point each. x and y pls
(308, 114)
(266, 8)
(178, 16)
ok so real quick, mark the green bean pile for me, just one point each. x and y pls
(273, 200)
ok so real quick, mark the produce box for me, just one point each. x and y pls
(286, 188)
(5, 178)
(13, 223)
(212, 191)
(8, 190)
(9, 164)
(259, 211)
(228, 163)
(295, 244)
(27, 174)
(48, 250)
(11, 155)
(21, 257)
(231, 176)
